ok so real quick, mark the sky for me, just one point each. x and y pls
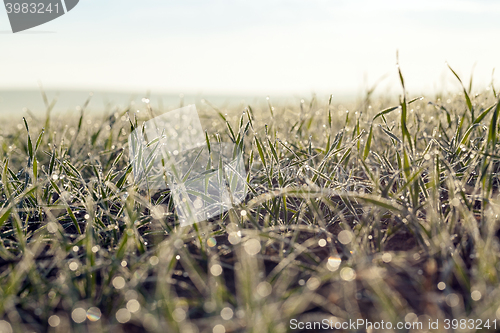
(255, 47)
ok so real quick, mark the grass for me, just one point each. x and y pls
(381, 212)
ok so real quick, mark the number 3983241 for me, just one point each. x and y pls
(33, 8)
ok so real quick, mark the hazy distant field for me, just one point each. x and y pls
(12, 102)
(373, 210)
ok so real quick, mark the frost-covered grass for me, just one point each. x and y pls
(375, 211)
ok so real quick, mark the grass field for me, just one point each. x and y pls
(380, 211)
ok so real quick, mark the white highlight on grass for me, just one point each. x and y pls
(411, 317)
(133, 305)
(53, 321)
(179, 314)
(387, 257)
(51, 227)
(347, 274)
(178, 243)
(452, 300)
(234, 237)
(313, 283)
(118, 282)
(150, 322)
(226, 313)
(219, 329)
(476, 295)
(5, 327)
(154, 260)
(158, 212)
(79, 315)
(345, 237)
(252, 246)
(264, 289)
(123, 316)
(216, 270)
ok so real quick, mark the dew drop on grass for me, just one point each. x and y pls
(333, 263)
(93, 314)
(73, 265)
(211, 242)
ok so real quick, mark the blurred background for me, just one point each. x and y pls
(232, 50)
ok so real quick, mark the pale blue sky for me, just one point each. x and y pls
(253, 47)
